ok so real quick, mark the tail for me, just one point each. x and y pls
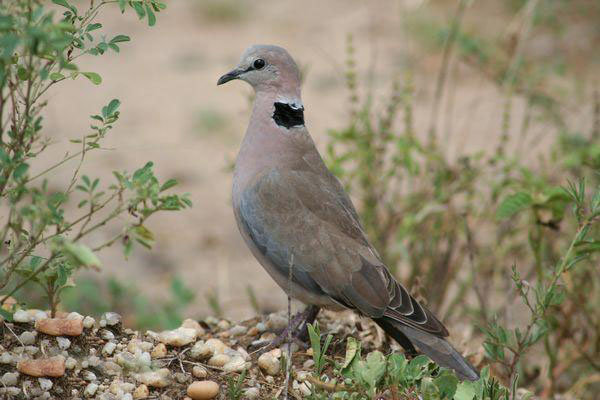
(436, 348)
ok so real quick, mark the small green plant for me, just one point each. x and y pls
(319, 352)
(41, 234)
(235, 386)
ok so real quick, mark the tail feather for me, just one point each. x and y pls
(436, 348)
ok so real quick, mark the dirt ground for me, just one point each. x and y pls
(174, 114)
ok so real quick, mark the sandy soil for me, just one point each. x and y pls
(174, 114)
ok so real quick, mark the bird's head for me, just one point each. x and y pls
(266, 68)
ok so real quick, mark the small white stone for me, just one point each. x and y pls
(111, 318)
(28, 337)
(6, 358)
(63, 343)
(238, 330)
(10, 378)
(10, 390)
(70, 363)
(276, 322)
(45, 384)
(89, 376)
(236, 364)
(93, 361)
(126, 396)
(308, 364)
(269, 363)
(90, 389)
(178, 337)
(74, 315)
(219, 360)
(88, 322)
(37, 314)
(261, 327)
(159, 378)
(108, 348)
(22, 316)
(106, 334)
(251, 393)
(223, 325)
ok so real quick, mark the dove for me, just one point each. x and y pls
(293, 213)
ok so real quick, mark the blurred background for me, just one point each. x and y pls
(174, 114)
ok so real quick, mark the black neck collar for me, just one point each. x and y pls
(288, 115)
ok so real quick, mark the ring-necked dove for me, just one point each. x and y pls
(291, 209)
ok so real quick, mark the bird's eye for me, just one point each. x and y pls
(259, 63)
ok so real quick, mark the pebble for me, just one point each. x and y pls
(70, 363)
(160, 350)
(178, 337)
(22, 316)
(89, 376)
(11, 390)
(108, 348)
(308, 364)
(199, 372)
(93, 361)
(90, 389)
(181, 377)
(219, 360)
(238, 330)
(261, 327)
(223, 325)
(27, 337)
(63, 343)
(45, 384)
(36, 315)
(253, 331)
(88, 322)
(203, 390)
(251, 393)
(276, 322)
(111, 368)
(106, 334)
(75, 315)
(141, 392)
(52, 367)
(110, 319)
(269, 363)
(60, 326)
(9, 378)
(193, 324)
(160, 378)
(236, 364)
(6, 358)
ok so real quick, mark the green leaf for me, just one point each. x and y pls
(447, 384)
(81, 254)
(352, 347)
(120, 38)
(93, 27)
(122, 4)
(56, 76)
(513, 204)
(7, 315)
(112, 106)
(168, 184)
(151, 16)
(465, 391)
(20, 171)
(93, 77)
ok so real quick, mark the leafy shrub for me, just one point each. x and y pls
(42, 239)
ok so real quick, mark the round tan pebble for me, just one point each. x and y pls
(160, 350)
(203, 390)
(141, 392)
(52, 367)
(253, 331)
(199, 372)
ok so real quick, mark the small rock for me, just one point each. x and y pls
(70, 363)
(141, 392)
(238, 330)
(199, 372)
(110, 319)
(52, 367)
(45, 384)
(160, 350)
(108, 348)
(308, 364)
(22, 316)
(6, 358)
(178, 337)
(276, 322)
(223, 325)
(37, 315)
(63, 343)
(89, 376)
(75, 315)
(88, 322)
(236, 364)
(9, 378)
(59, 326)
(203, 390)
(160, 378)
(90, 389)
(192, 324)
(219, 360)
(269, 363)
(111, 368)
(28, 337)
(253, 331)
(106, 334)
(251, 393)
(93, 361)
(10, 390)
(181, 377)
(261, 327)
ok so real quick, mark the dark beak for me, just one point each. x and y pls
(231, 75)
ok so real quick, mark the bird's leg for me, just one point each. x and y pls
(299, 327)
